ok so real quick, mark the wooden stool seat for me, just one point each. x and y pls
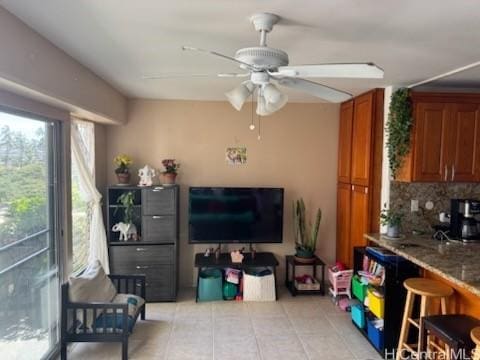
(427, 287)
(475, 335)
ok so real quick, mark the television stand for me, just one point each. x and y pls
(261, 259)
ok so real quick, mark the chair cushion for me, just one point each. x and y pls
(135, 304)
(93, 285)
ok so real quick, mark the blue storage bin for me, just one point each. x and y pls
(374, 334)
(210, 285)
(358, 315)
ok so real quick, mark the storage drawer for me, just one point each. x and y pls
(133, 255)
(358, 315)
(359, 289)
(376, 303)
(159, 201)
(159, 228)
(160, 283)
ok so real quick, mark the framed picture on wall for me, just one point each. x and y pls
(236, 155)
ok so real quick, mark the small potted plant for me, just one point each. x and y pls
(171, 171)
(305, 235)
(123, 162)
(392, 219)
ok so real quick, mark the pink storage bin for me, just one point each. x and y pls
(340, 282)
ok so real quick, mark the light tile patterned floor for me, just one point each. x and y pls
(302, 327)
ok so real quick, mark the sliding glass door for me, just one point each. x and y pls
(29, 271)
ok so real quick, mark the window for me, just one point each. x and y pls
(81, 205)
(29, 271)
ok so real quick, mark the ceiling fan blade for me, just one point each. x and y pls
(246, 65)
(353, 70)
(318, 90)
(182, 75)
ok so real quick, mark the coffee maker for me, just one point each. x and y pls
(465, 220)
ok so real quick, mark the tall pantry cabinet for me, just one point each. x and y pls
(359, 171)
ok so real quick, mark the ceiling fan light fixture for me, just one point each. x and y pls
(280, 103)
(262, 108)
(271, 93)
(237, 96)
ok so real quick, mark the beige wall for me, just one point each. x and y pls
(298, 151)
(33, 67)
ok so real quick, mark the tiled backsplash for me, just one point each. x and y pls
(439, 193)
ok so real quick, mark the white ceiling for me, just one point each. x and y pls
(124, 40)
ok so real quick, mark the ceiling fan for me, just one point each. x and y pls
(266, 66)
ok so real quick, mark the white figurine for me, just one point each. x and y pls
(127, 231)
(146, 175)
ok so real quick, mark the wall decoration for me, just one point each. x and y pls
(236, 155)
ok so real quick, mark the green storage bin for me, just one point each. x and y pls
(229, 291)
(210, 285)
(359, 289)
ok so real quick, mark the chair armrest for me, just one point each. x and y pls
(129, 284)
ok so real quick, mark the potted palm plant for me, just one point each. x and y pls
(392, 219)
(305, 235)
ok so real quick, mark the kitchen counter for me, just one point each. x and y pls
(454, 261)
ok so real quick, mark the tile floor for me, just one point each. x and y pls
(302, 327)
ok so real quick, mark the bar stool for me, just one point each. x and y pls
(454, 333)
(427, 289)
(475, 335)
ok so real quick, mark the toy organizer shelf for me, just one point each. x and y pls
(383, 301)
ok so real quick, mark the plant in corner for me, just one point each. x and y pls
(392, 219)
(305, 236)
(171, 171)
(123, 162)
(399, 127)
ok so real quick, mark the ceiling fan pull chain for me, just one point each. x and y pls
(252, 125)
(259, 119)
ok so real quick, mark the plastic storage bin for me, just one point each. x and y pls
(210, 285)
(376, 303)
(375, 334)
(258, 288)
(358, 315)
(358, 288)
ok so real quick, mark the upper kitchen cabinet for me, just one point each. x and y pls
(445, 139)
(345, 142)
(362, 139)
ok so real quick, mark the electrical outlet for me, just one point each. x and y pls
(413, 205)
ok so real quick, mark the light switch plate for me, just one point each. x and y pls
(414, 205)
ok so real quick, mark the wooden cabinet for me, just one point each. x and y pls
(445, 139)
(362, 139)
(344, 194)
(464, 144)
(360, 216)
(359, 171)
(345, 142)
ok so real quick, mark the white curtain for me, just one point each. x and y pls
(98, 240)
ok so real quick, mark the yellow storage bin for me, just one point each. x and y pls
(376, 303)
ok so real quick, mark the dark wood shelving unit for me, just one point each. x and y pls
(396, 272)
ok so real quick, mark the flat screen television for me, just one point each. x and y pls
(235, 215)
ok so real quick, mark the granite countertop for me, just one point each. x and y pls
(454, 261)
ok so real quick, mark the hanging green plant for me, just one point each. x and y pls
(399, 127)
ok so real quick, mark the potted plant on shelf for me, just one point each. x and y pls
(127, 229)
(305, 235)
(171, 171)
(392, 219)
(123, 162)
